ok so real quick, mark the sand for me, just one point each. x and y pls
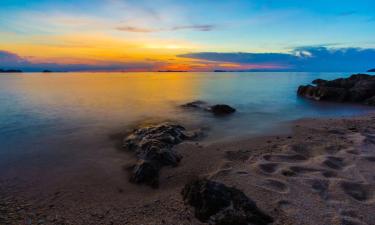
(319, 173)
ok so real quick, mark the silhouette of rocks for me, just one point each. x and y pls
(217, 110)
(218, 204)
(358, 88)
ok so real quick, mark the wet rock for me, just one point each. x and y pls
(222, 110)
(358, 88)
(153, 146)
(217, 110)
(195, 105)
(370, 101)
(218, 204)
(145, 172)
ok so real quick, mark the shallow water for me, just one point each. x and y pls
(62, 106)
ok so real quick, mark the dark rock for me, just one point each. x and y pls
(319, 82)
(221, 205)
(358, 88)
(195, 105)
(47, 71)
(221, 110)
(372, 70)
(370, 101)
(217, 110)
(145, 172)
(153, 147)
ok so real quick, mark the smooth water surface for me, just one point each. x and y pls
(62, 106)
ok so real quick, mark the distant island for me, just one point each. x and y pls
(10, 71)
(171, 71)
(46, 71)
(372, 70)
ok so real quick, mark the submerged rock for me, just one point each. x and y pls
(195, 105)
(218, 204)
(217, 110)
(153, 147)
(221, 110)
(358, 88)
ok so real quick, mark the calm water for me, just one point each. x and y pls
(62, 106)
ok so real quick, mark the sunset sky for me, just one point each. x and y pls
(196, 35)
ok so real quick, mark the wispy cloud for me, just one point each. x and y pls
(206, 27)
(137, 29)
(300, 59)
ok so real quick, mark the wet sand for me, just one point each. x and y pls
(319, 173)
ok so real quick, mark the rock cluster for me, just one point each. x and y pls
(358, 88)
(218, 204)
(153, 146)
(217, 110)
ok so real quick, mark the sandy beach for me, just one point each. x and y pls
(321, 172)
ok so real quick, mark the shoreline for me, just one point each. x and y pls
(320, 173)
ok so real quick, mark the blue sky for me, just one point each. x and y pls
(112, 32)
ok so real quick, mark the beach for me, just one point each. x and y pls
(321, 172)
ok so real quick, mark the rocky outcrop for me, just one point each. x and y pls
(358, 88)
(217, 110)
(218, 204)
(221, 110)
(153, 146)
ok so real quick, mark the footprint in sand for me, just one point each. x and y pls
(351, 221)
(275, 185)
(333, 162)
(369, 158)
(320, 187)
(357, 191)
(349, 213)
(285, 206)
(303, 169)
(268, 167)
(293, 158)
(329, 174)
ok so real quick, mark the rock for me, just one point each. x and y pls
(358, 88)
(319, 82)
(217, 110)
(145, 172)
(195, 105)
(370, 101)
(153, 147)
(221, 110)
(218, 204)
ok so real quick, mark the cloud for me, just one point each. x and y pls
(10, 60)
(206, 27)
(300, 59)
(136, 29)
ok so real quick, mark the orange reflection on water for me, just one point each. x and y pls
(113, 97)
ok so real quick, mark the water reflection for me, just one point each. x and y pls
(37, 106)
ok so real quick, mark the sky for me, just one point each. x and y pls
(192, 35)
